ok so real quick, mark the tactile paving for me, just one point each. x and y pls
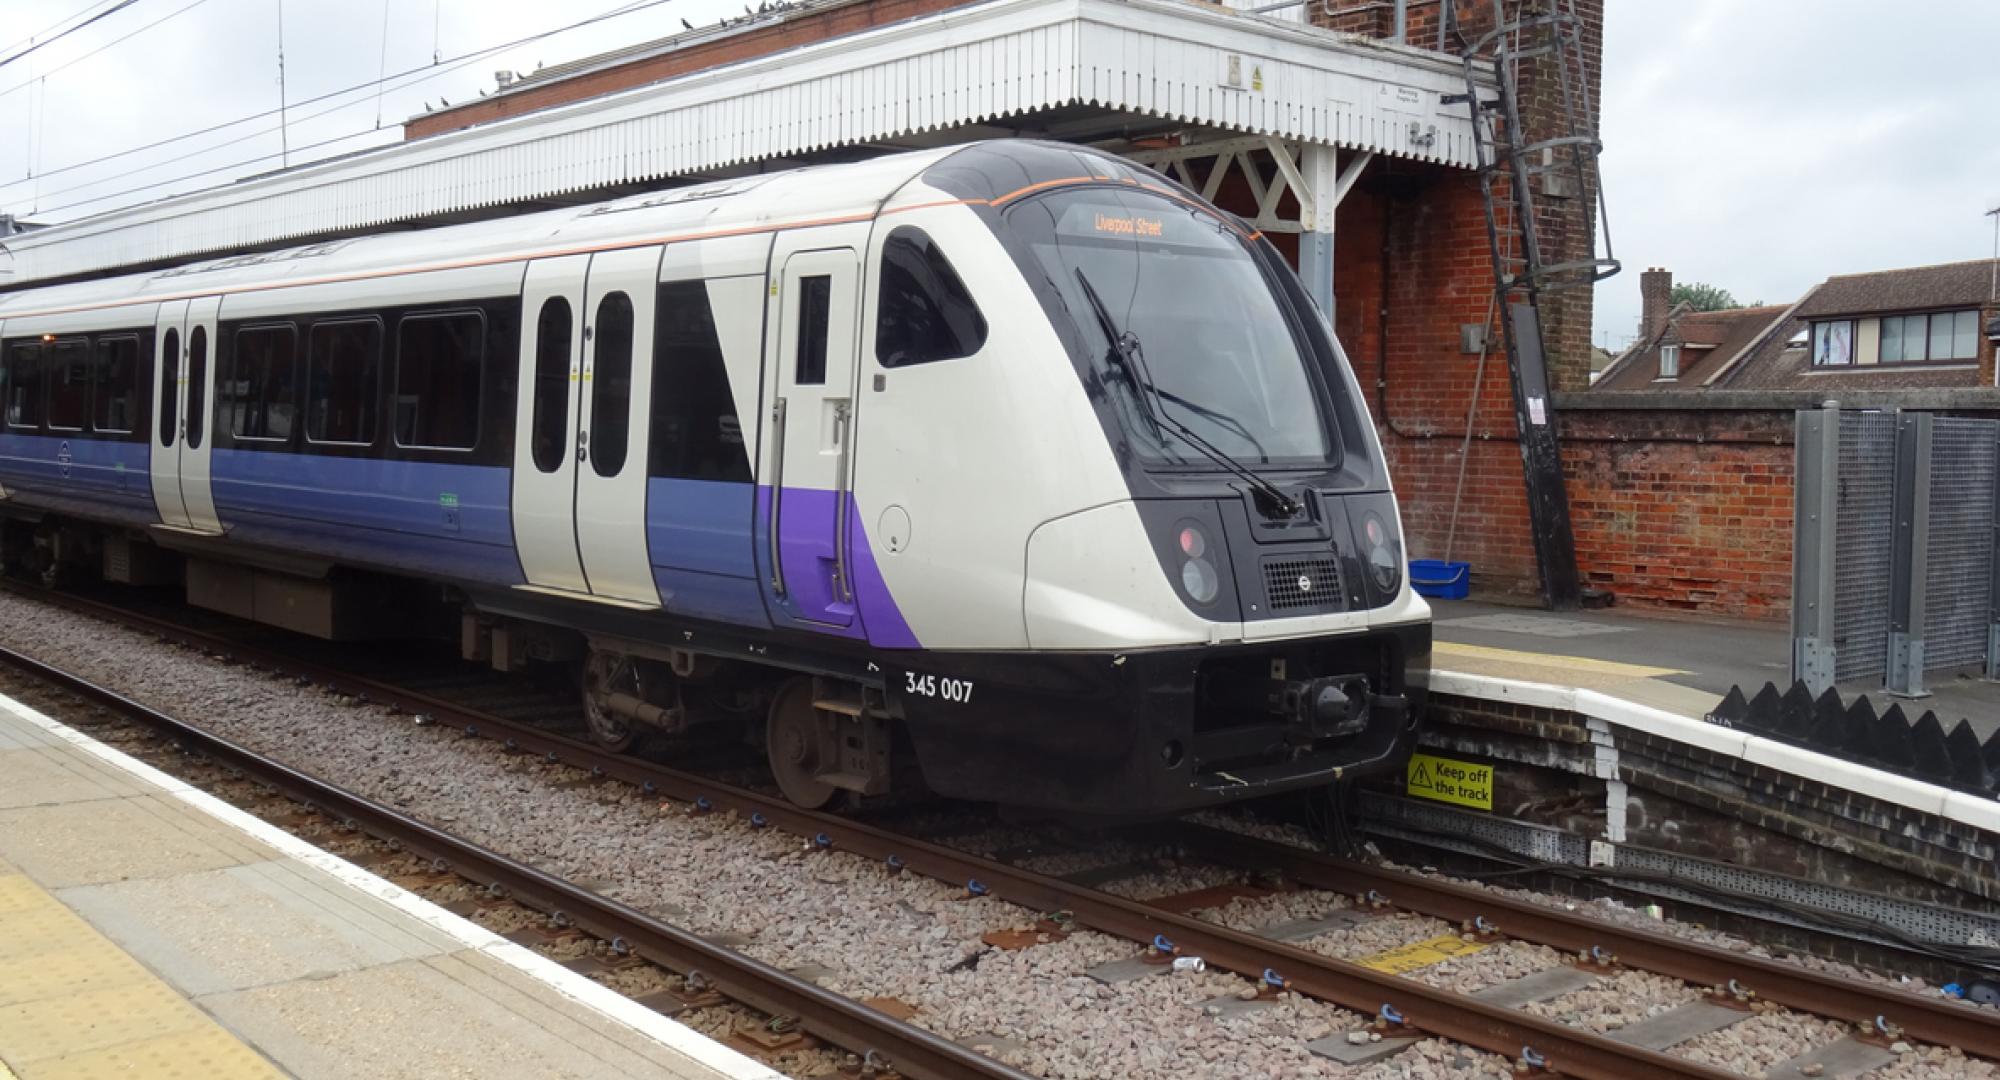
(75, 1006)
(206, 1053)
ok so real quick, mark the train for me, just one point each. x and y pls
(1013, 470)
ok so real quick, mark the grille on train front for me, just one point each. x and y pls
(1308, 583)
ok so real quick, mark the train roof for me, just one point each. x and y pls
(715, 207)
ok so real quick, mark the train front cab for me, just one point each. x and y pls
(1185, 637)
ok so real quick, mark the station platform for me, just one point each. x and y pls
(150, 930)
(1681, 664)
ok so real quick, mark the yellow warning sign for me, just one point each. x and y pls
(1450, 781)
(1420, 954)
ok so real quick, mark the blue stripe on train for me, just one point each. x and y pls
(442, 521)
(699, 542)
(81, 476)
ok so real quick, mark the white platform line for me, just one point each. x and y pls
(583, 991)
(1797, 761)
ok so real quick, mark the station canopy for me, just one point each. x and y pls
(1163, 80)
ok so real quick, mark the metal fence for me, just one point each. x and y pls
(1893, 548)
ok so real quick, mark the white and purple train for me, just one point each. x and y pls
(1012, 462)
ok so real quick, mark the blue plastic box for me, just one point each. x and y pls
(1441, 580)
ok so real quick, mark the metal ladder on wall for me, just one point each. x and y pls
(1545, 35)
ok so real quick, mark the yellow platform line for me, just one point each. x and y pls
(1551, 660)
(74, 1006)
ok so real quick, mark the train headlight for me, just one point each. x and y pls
(1199, 578)
(1384, 553)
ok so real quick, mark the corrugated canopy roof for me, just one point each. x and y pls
(1102, 63)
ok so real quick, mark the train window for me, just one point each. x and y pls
(815, 310)
(260, 392)
(438, 360)
(24, 385)
(114, 379)
(197, 406)
(696, 433)
(550, 420)
(925, 313)
(611, 385)
(343, 365)
(170, 375)
(69, 384)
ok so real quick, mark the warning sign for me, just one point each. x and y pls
(1450, 781)
(1419, 954)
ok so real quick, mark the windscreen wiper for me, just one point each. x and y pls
(1126, 350)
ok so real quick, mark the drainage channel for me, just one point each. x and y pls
(882, 1041)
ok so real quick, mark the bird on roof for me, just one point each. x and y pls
(686, 25)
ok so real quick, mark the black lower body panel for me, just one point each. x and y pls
(1163, 731)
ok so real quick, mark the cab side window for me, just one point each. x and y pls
(925, 313)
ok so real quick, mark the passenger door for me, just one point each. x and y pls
(814, 304)
(580, 520)
(184, 343)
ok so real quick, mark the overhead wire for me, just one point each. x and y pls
(12, 45)
(51, 40)
(425, 71)
(421, 74)
(72, 62)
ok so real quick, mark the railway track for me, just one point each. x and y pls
(1401, 1006)
(882, 1041)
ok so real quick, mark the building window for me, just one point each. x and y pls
(438, 359)
(115, 393)
(696, 433)
(1833, 343)
(260, 394)
(924, 312)
(1937, 338)
(1670, 361)
(343, 365)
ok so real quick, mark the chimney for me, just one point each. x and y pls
(1655, 286)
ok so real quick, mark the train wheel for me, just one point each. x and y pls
(794, 741)
(603, 675)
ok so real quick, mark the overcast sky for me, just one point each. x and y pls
(1758, 145)
(1762, 145)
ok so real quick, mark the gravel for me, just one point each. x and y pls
(867, 933)
(872, 933)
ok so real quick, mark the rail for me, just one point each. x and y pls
(1422, 1009)
(838, 1019)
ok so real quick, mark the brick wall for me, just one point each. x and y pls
(1412, 240)
(1684, 509)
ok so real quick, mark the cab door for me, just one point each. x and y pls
(184, 344)
(586, 366)
(814, 304)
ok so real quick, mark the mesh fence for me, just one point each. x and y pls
(1864, 544)
(1960, 551)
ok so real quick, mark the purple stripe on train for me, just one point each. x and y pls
(806, 528)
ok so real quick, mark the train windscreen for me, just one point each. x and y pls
(1197, 319)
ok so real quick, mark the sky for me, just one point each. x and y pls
(1757, 145)
(1764, 145)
